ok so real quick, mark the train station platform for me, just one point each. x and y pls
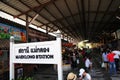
(46, 72)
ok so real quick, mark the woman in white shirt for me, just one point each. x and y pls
(88, 64)
(105, 60)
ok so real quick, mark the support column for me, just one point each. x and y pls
(47, 32)
(60, 70)
(27, 28)
(11, 68)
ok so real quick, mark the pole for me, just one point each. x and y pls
(60, 70)
(11, 72)
(47, 33)
(27, 28)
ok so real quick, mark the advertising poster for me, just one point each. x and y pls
(6, 31)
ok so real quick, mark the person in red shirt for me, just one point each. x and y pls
(112, 65)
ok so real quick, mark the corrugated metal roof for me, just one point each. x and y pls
(80, 19)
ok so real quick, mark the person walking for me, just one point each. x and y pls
(88, 64)
(116, 58)
(105, 60)
(83, 75)
(112, 65)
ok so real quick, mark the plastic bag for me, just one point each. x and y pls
(78, 61)
(103, 65)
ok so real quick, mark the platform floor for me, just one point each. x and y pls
(46, 72)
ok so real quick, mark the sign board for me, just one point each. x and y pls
(36, 52)
(48, 52)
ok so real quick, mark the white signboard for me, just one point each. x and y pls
(48, 52)
(36, 52)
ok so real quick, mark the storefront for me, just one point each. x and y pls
(8, 28)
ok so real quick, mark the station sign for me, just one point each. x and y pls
(36, 52)
(48, 52)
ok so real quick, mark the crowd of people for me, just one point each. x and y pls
(110, 59)
(80, 59)
(77, 57)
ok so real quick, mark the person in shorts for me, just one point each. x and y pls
(88, 64)
(105, 60)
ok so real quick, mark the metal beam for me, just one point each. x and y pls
(80, 17)
(76, 28)
(11, 6)
(104, 15)
(90, 22)
(93, 26)
(88, 25)
(83, 16)
(111, 18)
(33, 18)
(43, 17)
(63, 17)
(35, 12)
(40, 7)
(21, 12)
(57, 20)
(52, 16)
(60, 19)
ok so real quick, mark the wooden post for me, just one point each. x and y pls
(27, 28)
